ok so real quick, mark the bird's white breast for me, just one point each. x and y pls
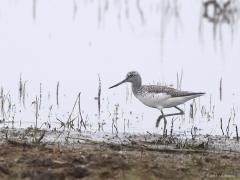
(155, 100)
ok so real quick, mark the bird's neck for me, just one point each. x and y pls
(136, 85)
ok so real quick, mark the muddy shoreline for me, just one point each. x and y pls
(22, 157)
(102, 161)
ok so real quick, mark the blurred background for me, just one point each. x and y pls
(50, 50)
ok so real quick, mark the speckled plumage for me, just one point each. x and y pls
(146, 89)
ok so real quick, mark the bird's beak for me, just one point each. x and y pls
(125, 80)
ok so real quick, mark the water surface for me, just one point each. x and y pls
(75, 41)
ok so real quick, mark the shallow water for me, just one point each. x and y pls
(75, 41)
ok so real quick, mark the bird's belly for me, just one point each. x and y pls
(174, 101)
(153, 100)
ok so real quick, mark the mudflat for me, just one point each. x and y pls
(98, 161)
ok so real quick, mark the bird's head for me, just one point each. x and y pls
(132, 77)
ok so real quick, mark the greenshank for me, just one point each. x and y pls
(158, 97)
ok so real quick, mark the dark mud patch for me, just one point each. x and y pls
(102, 161)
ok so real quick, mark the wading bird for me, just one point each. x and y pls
(158, 97)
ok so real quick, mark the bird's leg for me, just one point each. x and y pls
(181, 112)
(165, 124)
(166, 115)
(158, 120)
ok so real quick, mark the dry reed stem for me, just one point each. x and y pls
(99, 96)
(220, 90)
(221, 125)
(57, 93)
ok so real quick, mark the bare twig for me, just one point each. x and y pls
(36, 103)
(24, 93)
(20, 89)
(40, 96)
(221, 126)
(179, 80)
(237, 132)
(191, 111)
(80, 113)
(57, 93)
(220, 90)
(99, 96)
(227, 129)
(171, 131)
(41, 137)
